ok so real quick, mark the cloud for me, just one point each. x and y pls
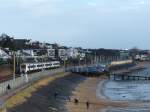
(58, 7)
(77, 19)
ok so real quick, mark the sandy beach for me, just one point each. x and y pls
(86, 91)
(40, 96)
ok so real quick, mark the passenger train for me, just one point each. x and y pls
(30, 67)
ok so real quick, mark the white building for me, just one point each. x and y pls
(26, 53)
(141, 57)
(4, 55)
(75, 53)
(72, 53)
(82, 55)
(51, 53)
(62, 54)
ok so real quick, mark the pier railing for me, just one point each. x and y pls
(126, 74)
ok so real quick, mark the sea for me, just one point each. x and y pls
(130, 91)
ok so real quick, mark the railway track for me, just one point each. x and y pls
(8, 77)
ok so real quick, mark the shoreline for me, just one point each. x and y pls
(86, 91)
(69, 86)
(100, 90)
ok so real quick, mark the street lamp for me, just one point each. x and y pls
(14, 66)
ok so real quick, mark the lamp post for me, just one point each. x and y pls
(85, 60)
(65, 59)
(14, 66)
(42, 62)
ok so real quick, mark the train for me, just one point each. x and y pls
(38, 66)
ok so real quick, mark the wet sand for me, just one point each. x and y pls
(86, 91)
(40, 96)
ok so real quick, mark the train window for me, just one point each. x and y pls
(48, 64)
(39, 65)
(32, 66)
(23, 66)
(56, 64)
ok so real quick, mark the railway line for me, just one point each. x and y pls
(30, 68)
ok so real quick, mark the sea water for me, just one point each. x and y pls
(128, 91)
(134, 90)
(130, 110)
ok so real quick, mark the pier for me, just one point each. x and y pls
(126, 74)
(88, 70)
(97, 70)
(128, 77)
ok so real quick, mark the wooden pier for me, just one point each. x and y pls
(126, 74)
(128, 77)
(89, 71)
(95, 71)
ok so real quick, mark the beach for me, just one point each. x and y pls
(106, 95)
(69, 86)
(86, 91)
(39, 97)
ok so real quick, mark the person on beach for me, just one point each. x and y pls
(87, 104)
(76, 101)
(69, 99)
(8, 87)
(55, 95)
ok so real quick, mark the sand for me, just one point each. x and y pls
(86, 91)
(39, 97)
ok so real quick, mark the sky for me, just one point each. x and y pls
(116, 24)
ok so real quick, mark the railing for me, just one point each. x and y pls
(20, 81)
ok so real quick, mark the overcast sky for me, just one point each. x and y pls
(85, 23)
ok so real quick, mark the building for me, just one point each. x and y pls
(62, 54)
(124, 54)
(142, 57)
(72, 53)
(51, 53)
(4, 55)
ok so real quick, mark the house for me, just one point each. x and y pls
(142, 57)
(4, 55)
(124, 54)
(26, 52)
(51, 53)
(62, 53)
(72, 53)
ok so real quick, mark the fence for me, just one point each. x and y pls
(20, 81)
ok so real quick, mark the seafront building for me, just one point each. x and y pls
(4, 55)
(26, 48)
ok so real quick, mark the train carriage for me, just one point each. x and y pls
(30, 67)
